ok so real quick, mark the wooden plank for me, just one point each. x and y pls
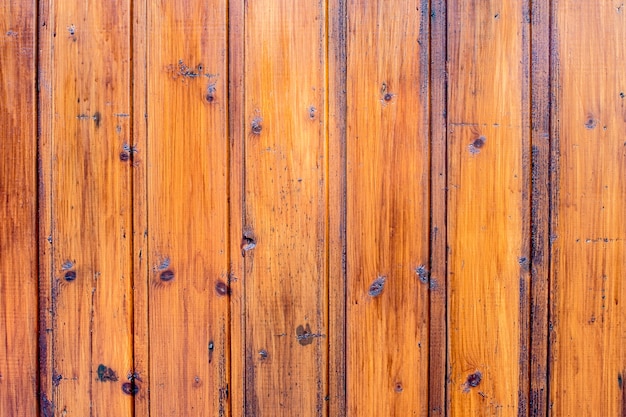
(140, 375)
(540, 209)
(438, 210)
(87, 205)
(337, 326)
(388, 208)
(18, 210)
(236, 44)
(488, 207)
(285, 234)
(187, 174)
(589, 223)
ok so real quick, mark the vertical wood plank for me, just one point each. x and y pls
(488, 207)
(284, 237)
(18, 210)
(187, 174)
(540, 210)
(589, 223)
(337, 126)
(140, 376)
(387, 208)
(438, 206)
(87, 205)
(237, 129)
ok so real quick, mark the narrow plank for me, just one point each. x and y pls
(488, 207)
(387, 208)
(337, 75)
(438, 205)
(140, 375)
(284, 237)
(540, 210)
(85, 127)
(187, 174)
(589, 225)
(18, 210)
(44, 159)
(237, 130)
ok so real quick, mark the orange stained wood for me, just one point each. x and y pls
(488, 207)
(314, 208)
(285, 209)
(387, 208)
(85, 112)
(589, 221)
(18, 210)
(186, 154)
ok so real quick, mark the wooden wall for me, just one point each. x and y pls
(314, 208)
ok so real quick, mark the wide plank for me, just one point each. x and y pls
(587, 338)
(387, 220)
(488, 207)
(284, 235)
(18, 209)
(186, 157)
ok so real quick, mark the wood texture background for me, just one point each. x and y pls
(319, 208)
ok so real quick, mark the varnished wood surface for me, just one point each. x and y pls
(18, 210)
(589, 220)
(320, 208)
(387, 221)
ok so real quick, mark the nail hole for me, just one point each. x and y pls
(263, 354)
(221, 288)
(124, 156)
(70, 276)
(473, 380)
(256, 125)
(130, 388)
(388, 97)
(398, 387)
(167, 275)
(376, 288)
(591, 122)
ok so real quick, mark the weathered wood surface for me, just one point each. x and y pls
(86, 206)
(18, 210)
(284, 231)
(319, 208)
(186, 158)
(589, 218)
(488, 207)
(387, 222)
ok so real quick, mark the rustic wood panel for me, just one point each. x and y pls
(488, 207)
(85, 127)
(540, 208)
(187, 207)
(337, 103)
(327, 208)
(18, 210)
(438, 210)
(387, 208)
(589, 223)
(284, 237)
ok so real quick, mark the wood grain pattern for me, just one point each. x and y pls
(438, 334)
(589, 225)
(387, 208)
(541, 207)
(285, 204)
(187, 208)
(314, 208)
(337, 105)
(18, 210)
(85, 111)
(488, 207)
(141, 269)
